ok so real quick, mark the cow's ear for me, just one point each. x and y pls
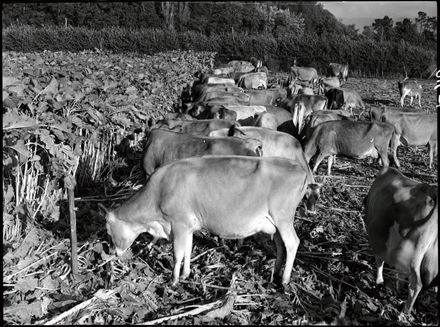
(231, 131)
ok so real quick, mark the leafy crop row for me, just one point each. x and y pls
(365, 57)
(65, 113)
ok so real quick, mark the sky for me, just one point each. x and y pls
(362, 13)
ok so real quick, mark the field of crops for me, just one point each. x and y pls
(79, 114)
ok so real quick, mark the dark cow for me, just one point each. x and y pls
(197, 127)
(411, 129)
(335, 98)
(353, 139)
(164, 146)
(326, 83)
(230, 196)
(402, 224)
(338, 70)
(410, 87)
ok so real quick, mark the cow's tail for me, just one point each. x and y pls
(311, 146)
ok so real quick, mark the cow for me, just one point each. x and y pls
(318, 117)
(241, 66)
(266, 120)
(266, 96)
(295, 87)
(353, 139)
(302, 105)
(401, 219)
(213, 112)
(202, 89)
(338, 70)
(165, 146)
(308, 74)
(240, 96)
(281, 115)
(244, 112)
(253, 81)
(335, 98)
(196, 127)
(410, 129)
(217, 80)
(221, 100)
(410, 87)
(212, 193)
(276, 144)
(326, 83)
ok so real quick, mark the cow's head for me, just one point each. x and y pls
(120, 232)
(311, 196)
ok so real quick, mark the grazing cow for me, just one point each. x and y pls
(318, 117)
(410, 129)
(212, 193)
(266, 97)
(412, 88)
(338, 70)
(164, 146)
(253, 81)
(244, 112)
(241, 66)
(302, 105)
(196, 127)
(276, 144)
(308, 74)
(296, 88)
(401, 219)
(353, 139)
(326, 83)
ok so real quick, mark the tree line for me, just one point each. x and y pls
(303, 29)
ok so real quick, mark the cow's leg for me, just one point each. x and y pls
(291, 242)
(329, 164)
(395, 141)
(179, 244)
(280, 256)
(415, 286)
(318, 160)
(379, 266)
(186, 262)
(411, 100)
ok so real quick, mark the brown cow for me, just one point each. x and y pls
(411, 129)
(401, 219)
(353, 139)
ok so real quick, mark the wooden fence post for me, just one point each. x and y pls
(70, 184)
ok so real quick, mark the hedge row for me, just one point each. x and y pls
(365, 57)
